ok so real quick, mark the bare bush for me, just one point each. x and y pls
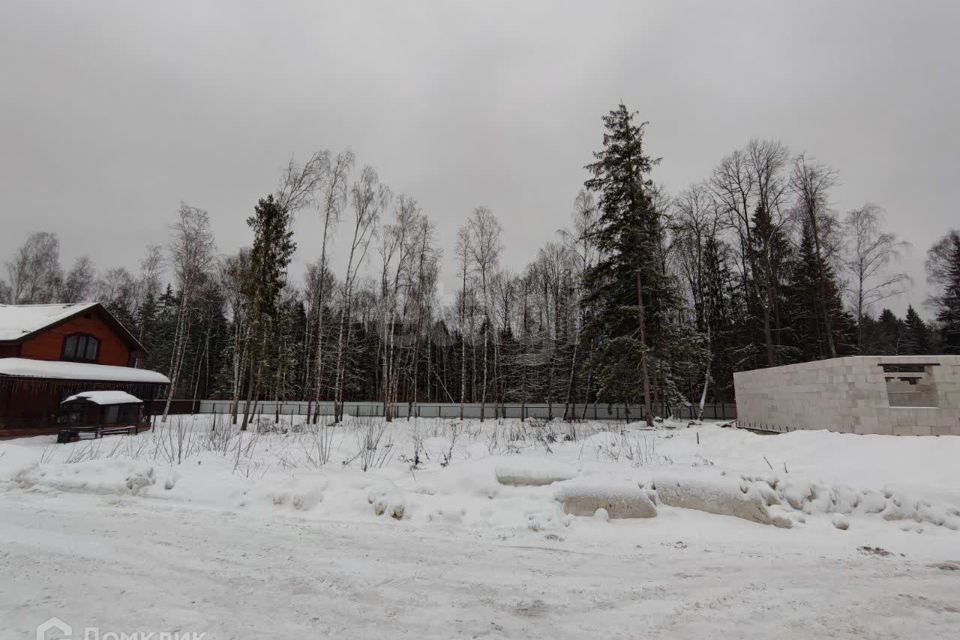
(374, 452)
(456, 428)
(319, 445)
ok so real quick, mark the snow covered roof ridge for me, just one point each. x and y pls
(27, 368)
(19, 320)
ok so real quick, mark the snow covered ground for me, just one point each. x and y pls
(461, 530)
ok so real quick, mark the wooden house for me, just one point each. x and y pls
(53, 351)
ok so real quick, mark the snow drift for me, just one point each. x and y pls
(533, 472)
(618, 499)
(721, 495)
(93, 476)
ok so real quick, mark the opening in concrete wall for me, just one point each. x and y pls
(910, 385)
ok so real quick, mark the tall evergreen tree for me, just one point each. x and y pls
(771, 255)
(944, 265)
(629, 292)
(628, 275)
(881, 336)
(815, 295)
(719, 316)
(916, 338)
(270, 255)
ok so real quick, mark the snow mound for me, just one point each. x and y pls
(108, 476)
(533, 472)
(722, 495)
(817, 498)
(388, 502)
(619, 499)
(298, 499)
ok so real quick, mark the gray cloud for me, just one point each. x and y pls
(113, 112)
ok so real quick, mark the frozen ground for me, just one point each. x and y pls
(460, 531)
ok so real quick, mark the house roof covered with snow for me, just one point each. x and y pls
(104, 398)
(19, 320)
(27, 368)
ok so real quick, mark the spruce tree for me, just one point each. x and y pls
(948, 302)
(890, 333)
(270, 255)
(770, 255)
(916, 337)
(627, 285)
(881, 336)
(725, 326)
(814, 295)
(644, 347)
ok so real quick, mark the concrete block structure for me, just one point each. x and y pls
(890, 395)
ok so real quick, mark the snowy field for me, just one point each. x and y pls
(436, 529)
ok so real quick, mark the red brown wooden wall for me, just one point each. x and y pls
(48, 345)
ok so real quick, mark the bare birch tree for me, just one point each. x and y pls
(869, 253)
(464, 250)
(368, 199)
(34, 273)
(334, 196)
(78, 284)
(394, 254)
(748, 183)
(485, 245)
(192, 250)
(233, 274)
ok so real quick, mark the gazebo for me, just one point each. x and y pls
(98, 413)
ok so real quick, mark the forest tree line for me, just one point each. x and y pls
(642, 297)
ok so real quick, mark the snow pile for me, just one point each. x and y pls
(617, 499)
(388, 501)
(107, 476)
(529, 471)
(785, 502)
(299, 498)
(722, 495)
(818, 498)
(507, 476)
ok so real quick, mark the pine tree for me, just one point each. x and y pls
(890, 329)
(948, 302)
(721, 327)
(771, 256)
(270, 255)
(880, 336)
(160, 340)
(645, 345)
(916, 338)
(628, 282)
(814, 295)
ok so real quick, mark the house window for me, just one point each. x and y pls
(82, 347)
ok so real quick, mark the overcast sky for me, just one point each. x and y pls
(111, 113)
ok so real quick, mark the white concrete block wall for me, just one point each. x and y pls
(848, 395)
